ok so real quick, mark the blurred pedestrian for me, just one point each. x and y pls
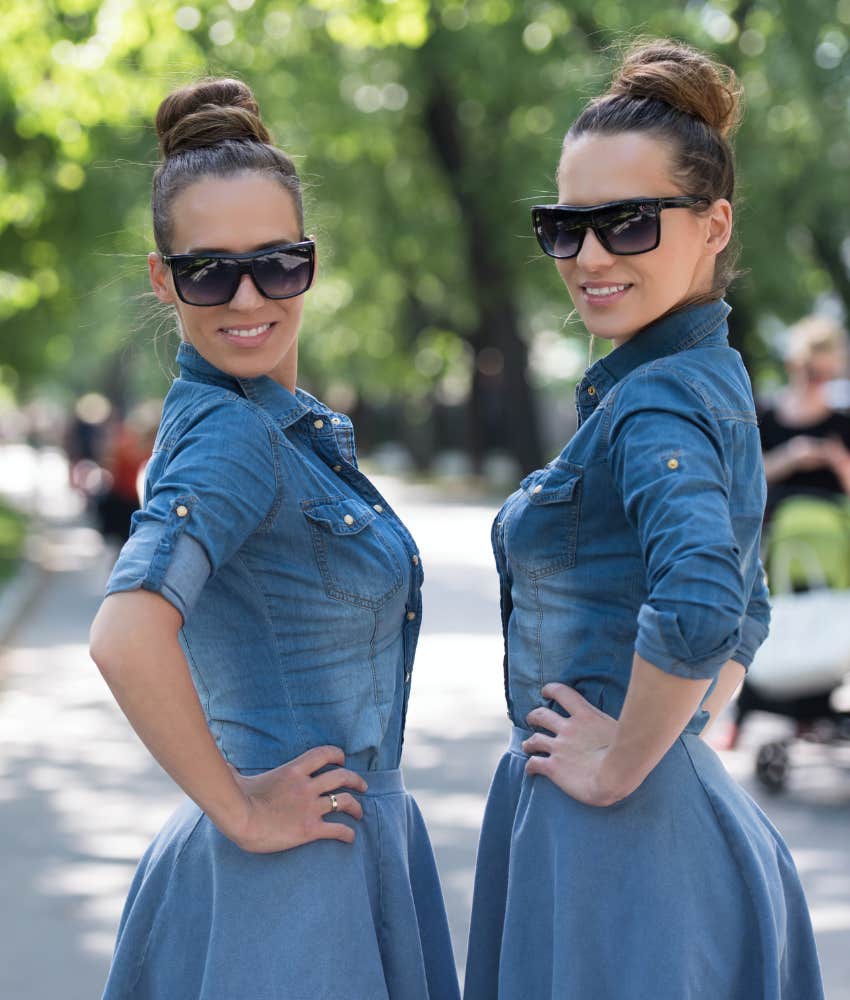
(805, 432)
(260, 623)
(618, 859)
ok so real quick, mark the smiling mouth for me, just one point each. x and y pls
(603, 291)
(246, 333)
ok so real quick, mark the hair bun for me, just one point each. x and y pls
(683, 78)
(208, 112)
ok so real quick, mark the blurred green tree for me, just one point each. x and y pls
(424, 130)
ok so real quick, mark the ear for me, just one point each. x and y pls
(160, 275)
(719, 228)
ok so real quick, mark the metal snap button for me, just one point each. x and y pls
(318, 424)
(673, 463)
(348, 519)
(335, 420)
(415, 560)
(378, 508)
(411, 615)
(591, 390)
(337, 468)
(537, 489)
(181, 511)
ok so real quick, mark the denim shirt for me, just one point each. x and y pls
(298, 585)
(643, 534)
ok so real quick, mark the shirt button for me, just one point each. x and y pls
(337, 468)
(537, 489)
(318, 424)
(182, 511)
(378, 508)
(415, 560)
(591, 390)
(673, 463)
(335, 420)
(348, 519)
(411, 615)
(407, 677)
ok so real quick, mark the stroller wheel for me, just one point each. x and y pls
(772, 766)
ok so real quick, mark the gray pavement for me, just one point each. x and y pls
(80, 797)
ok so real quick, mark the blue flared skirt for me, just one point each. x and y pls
(682, 890)
(208, 921)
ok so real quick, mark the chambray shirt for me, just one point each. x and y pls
(298, 585)
(643, 534)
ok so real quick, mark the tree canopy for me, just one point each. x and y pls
(423, 130)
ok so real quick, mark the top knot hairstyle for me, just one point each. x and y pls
(213, 128)
(676, 94)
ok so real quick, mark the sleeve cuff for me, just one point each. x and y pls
(753, 634)
(660, 641)
(177, 569)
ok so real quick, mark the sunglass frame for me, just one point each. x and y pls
(246, 266)
(591, 212)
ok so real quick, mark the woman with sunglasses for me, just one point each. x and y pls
(618, 859)
(260, 623)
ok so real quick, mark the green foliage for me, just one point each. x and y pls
(350, 88)
(13, 527)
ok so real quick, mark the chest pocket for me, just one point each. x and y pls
(541, 529)
(355, 553)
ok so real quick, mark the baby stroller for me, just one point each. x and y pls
(806, 658)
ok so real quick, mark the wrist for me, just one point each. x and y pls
(233, 818)
(613, 782)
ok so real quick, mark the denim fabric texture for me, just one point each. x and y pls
(299, 589)
(643, 534)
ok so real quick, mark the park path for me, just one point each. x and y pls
(80, 797)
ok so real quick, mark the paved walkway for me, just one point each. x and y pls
(80, 797)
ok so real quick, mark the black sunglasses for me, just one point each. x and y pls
(211, 279)
(622, 227)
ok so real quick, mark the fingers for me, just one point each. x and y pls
(545, 718)
(538, 765)
(338, 777)
(568, 698)
(538, 743)
(318, 757)
(335, 831)
(345, 802)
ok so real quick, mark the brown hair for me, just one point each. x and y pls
(679, 95)
(212, 128)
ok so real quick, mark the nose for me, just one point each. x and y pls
(593, 256)
(247, 295)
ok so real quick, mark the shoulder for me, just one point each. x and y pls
(200, 413)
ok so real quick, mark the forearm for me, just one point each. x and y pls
(657, 708)
(134, 644)
(728, 681)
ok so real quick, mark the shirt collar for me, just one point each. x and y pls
(677, 331)
(284, 406)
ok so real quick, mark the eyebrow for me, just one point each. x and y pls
(261, 246)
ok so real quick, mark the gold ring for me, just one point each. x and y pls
(334, 803)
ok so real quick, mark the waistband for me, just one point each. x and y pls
(379, 782)
(517, 736)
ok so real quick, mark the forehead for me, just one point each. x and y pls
(236, 214)
(599, 168)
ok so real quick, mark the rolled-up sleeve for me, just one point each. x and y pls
(756, 623)
(666, 456)
(218, 486)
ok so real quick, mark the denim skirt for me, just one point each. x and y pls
(205, 920)
(682, 890)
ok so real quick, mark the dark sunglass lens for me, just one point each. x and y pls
(283, 274)
(207, 281)
(559, 233)
(630, 231)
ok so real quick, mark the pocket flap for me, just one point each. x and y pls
(554, 484)
(340, 515)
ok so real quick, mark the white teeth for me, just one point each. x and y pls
(255, 331)
(605, 290)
